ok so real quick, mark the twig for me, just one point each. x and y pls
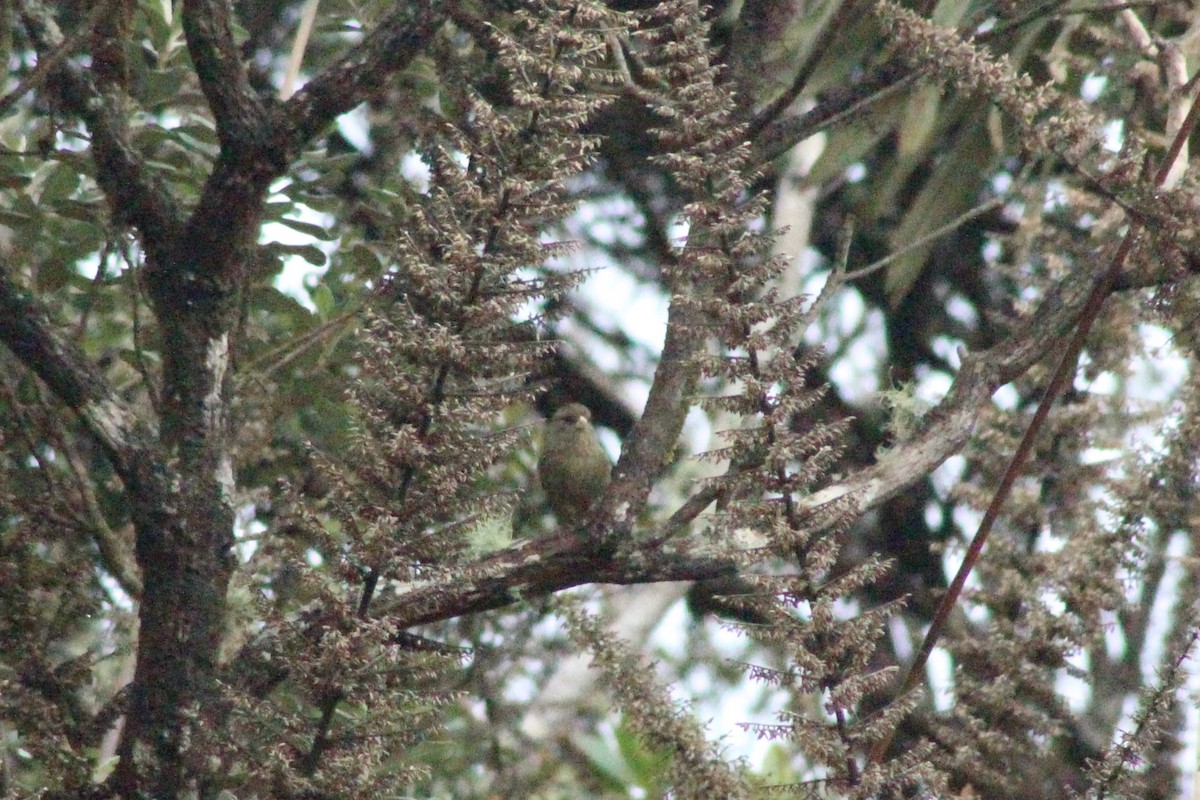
(1062, 374)
(47, 63)
(833, 27)
(296, 58)
(920, 241)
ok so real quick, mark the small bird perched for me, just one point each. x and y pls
(574, 469)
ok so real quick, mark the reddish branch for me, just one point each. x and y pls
(1102, 286)
(544, 566)
(197, 266)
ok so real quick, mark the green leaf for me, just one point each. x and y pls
(137, 359)
(948, 13)
(316, 231)
(647, 763)
(59, 184)
(920, 119)
(848, 144)
(323, 299)
(607, 762)
(361, 259)
(952, 187)
(28, 391)
(54, 273)
(424, 80)
(15, 219)
(776, 766)
(489, 534)
(309, 252)
(81, 212)
(161, 87)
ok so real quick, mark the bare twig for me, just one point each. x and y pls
(920, 241)
(834, 27)
(48, 62)
(296, 58)
(1101, 288)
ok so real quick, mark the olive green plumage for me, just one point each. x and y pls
(574, 469)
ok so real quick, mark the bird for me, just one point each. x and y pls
(573, 467)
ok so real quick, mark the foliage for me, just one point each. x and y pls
(270, 536)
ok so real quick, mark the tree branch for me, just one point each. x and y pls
(136, 196)
(656, 433)
(340, 87)
(240, 112)
(541, 567)
(544, 566)
(259, 136)
(26, 330)
(833, 107)
(949, 425)
(548, 565)
(51, 60)
(834, 27)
